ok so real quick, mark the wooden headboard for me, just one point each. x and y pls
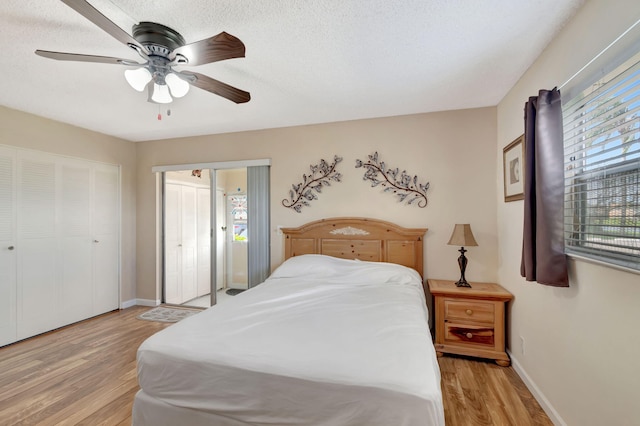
(357, 238)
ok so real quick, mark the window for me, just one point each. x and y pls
(602, 168)
(239, 215)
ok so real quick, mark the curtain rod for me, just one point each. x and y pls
(600, 54)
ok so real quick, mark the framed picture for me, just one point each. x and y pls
(513, 166)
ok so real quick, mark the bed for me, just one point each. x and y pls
(337, 335)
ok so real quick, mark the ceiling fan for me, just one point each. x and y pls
(162, 48)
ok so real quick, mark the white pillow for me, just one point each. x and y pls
(304, 265)
(348, 271)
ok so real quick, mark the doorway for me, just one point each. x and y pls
(232, 237)
(201, 267)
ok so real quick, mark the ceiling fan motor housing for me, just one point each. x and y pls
(158, 39)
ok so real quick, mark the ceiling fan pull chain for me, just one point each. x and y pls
(159, 113)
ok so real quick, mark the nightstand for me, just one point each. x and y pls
(470, 321)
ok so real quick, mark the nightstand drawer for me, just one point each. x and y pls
(476, 311)
(462, 333)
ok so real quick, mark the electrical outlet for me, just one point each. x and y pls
(522, 345)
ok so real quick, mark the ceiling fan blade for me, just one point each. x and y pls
(209, 84)
(217, 48)
(94, 15)
(60, 56)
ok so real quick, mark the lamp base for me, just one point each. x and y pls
(462, 262)
(462, 283)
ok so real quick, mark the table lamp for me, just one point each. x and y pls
(462, 236)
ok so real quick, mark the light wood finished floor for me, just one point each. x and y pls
(477, 392)
(85, 374)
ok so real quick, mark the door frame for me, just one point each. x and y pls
(160, 240)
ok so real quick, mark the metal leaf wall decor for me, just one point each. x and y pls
(405, 186)
(321, 175)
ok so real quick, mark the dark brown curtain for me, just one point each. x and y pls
(543, 258)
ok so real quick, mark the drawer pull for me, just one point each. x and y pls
(469, 312)
(469, 335)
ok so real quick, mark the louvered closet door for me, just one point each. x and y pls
(105, 241)
(37, 276)
(61, 219)
(74, 235)
(7, 246)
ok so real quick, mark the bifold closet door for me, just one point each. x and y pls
(59, 241)
(181, 251)
(189, 240)
(74, 237)
(172, 253)
(88, 208)
(7, 246)
(105, 239)
(38, 298)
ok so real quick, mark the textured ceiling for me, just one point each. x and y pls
(307, 61)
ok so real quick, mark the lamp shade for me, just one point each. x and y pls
(462, 236)
(177, 86)
(138, 78)
(161, 94)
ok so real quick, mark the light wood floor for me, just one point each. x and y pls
(85, 374)
(479, 392)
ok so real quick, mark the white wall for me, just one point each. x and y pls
(453, 150)
(32, 132)
(581, 342)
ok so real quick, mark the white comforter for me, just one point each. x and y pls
(323, 341)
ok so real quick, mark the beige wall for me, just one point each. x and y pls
(32, 132)
(231, 180)
(454, 151)
(581, 342)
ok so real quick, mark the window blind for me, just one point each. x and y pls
(602, 168)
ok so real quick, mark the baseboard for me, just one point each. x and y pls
(554, 416)
(128, 304)
(147, 302)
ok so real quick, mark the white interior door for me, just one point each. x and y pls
(7, 246)
(105, 239)
(53, 211)
(172, 253)
(74, 235)
(189, 244)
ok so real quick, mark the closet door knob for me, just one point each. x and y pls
(11, 247)
(96, 241)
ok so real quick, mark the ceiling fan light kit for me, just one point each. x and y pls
(159, 94)
(162, 48)
(177, 86)
(138, 78)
